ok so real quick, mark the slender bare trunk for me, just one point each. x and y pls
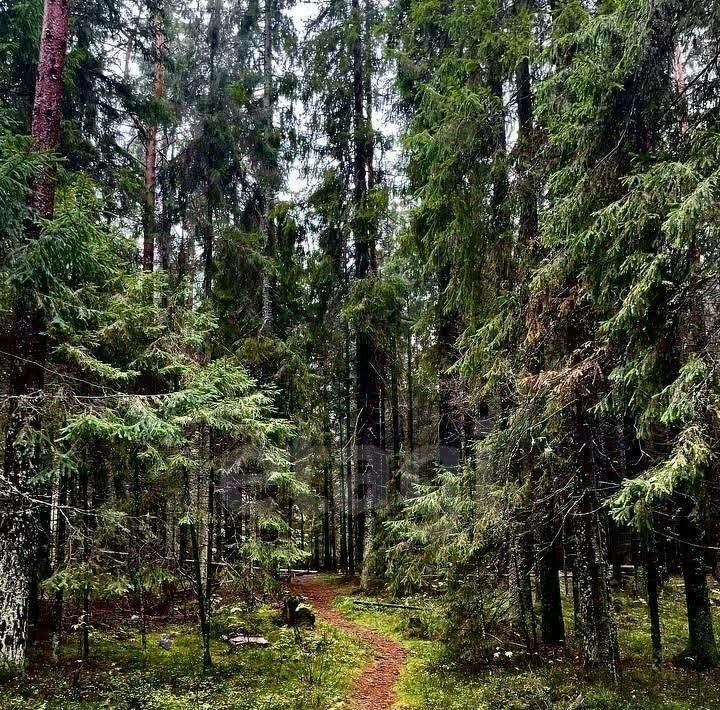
(651, 574)
(149, 217)
(349, 460)
(411, 404)
(210, 186)
(327, 562)
(269, 172)
(58, 561)
(343, 500)
(84, 624)
(200, 597)
(395, 483)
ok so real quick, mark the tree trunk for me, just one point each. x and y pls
(349, 461)
(651, 575)
(552, 624)
(269, 171)
(395, 484)
(521, 600)
(85, 616)
(368, 435)
(136, 532)
(366, 360)
(149, 218)
(498, 201)
(203, 497)
(367, 379)
(210, 186)
(368, 94)
(168, 191)
(411, 404)
(701, 650)
(209, 562)
(200, 598)
(528, 225)
(596, 617)
(18, 519)
(333, 520)
(449, 427)
(343, 500)
(58, 561)
(290, 509)
(326, 518)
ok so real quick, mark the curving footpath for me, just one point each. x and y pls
(374, 688)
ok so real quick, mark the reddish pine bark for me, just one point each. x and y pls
(47, 109)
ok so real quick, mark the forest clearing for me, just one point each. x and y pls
(359, 354)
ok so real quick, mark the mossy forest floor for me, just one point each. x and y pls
(313, 670)
(321, 668)
(431, 680)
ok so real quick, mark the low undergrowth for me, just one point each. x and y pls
(552, 679)
(308, 671)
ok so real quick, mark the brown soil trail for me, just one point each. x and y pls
(374, 689)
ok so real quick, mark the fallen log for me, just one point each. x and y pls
(248, 640)
(388, 605)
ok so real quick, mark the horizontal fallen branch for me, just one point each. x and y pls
(248, 640)
(359, 602)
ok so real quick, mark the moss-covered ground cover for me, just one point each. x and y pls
(311, 672)
(433, 681)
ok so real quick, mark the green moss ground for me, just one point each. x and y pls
(283, 676)
(432, 681)
(317, 673)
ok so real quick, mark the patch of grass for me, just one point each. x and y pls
(431, 680)
(312, 673)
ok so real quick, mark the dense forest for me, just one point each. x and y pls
(420, 296)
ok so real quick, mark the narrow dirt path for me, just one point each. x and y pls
(374, 689)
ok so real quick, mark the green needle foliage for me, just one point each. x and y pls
(427, 293)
